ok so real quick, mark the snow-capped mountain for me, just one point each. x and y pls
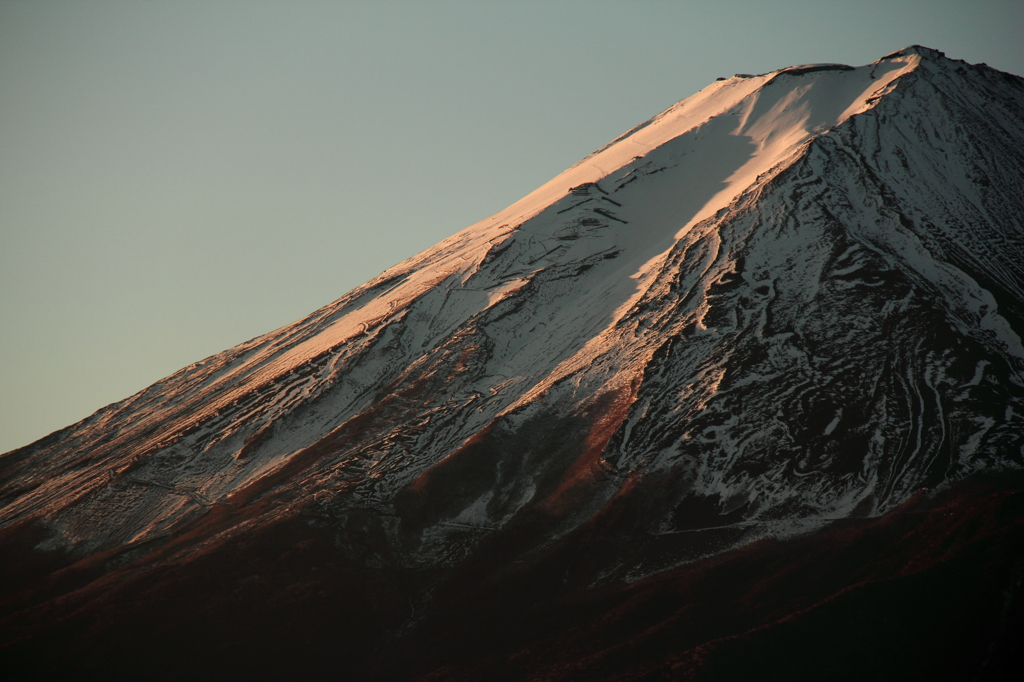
(788, 300)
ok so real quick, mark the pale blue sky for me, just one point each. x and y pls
(179, 177)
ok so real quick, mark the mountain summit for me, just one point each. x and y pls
(749, 374)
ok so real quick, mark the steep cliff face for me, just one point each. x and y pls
(790, 299)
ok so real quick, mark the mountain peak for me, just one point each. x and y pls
(920, 50)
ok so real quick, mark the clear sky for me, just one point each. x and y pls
(179, 177)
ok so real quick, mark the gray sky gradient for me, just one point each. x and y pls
(179, 177)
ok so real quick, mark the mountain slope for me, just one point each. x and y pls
(790, 299)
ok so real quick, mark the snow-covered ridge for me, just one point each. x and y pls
(789, 297)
